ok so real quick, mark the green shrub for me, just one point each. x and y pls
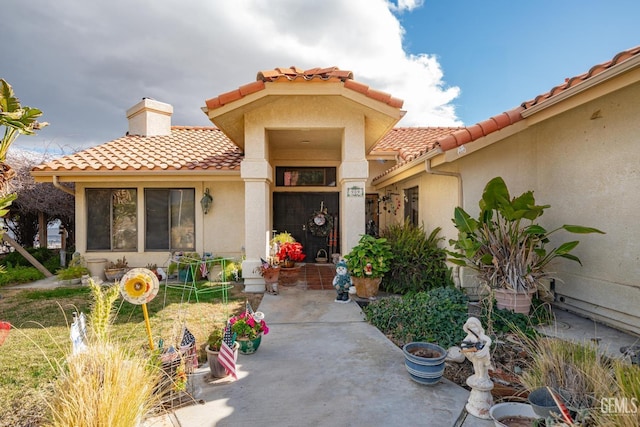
(435, 316)
(20, 274)
(418, 263)
(46, 257)
(72, 272)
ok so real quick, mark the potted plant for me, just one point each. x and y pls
(72, 275)
(185, 265)
(271, 274)
(290, 253)
(506, 247)
(424, 362)
(249, 328)
(115, 270)
(367, 262)
(214, 342)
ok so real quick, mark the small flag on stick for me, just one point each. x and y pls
(227, 357)
(188, 347)
(249, 309)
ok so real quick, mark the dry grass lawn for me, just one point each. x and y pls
(31, 354)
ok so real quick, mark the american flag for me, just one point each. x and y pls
(188, 347)
(249, 309)
(227, 357)
(203, 269)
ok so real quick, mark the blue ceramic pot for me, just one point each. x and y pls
(424, 370)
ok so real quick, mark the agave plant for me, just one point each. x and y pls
(504, 245)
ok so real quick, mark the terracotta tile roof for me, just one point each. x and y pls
(295, 74)
(574, 81)
(484, 128)
(410, 143)
(187, 148)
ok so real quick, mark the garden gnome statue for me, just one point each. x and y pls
(342, 282)
(476, 347)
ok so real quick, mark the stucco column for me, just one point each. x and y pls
(352, 203)
(353, 174)
(257, 176)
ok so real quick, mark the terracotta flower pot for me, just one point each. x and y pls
(518, 302)
(366, 287)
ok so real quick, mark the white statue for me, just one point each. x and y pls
(477, 348)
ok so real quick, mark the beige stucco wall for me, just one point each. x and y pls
(588, 170)
(220, 232)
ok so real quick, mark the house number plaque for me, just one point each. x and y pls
(355, 192)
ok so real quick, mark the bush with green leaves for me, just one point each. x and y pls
(20, 274)
(419, 264)
(47, 257)
(435, 316)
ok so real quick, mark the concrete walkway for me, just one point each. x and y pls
(320, 365)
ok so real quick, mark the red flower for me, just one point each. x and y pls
(291, 251)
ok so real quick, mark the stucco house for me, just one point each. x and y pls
(295, 142)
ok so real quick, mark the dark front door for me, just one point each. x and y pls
(291, 213)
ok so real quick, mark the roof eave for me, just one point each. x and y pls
(589, 83)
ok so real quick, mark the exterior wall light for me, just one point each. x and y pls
(206, 201)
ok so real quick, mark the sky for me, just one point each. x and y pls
(453, 62)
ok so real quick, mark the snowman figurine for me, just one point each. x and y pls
(342, 282)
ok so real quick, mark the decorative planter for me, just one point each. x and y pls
(288, 263)
(184, 275)
(248, 346)
(96, 267)
(424, 362)
(271, 275)
(217, 370)
(504, 414)
(518, 302)
(69, 282)
(289, 276)
(113, 274)
(366, 287)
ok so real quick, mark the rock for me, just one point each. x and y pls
(454, 354)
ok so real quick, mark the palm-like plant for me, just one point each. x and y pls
(17, 120)
(504, 245)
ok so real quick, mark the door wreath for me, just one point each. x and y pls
(320, 224)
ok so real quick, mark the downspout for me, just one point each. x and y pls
(427, 168)
(458, 176)
(59, 186)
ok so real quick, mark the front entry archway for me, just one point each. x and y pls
(292, 211)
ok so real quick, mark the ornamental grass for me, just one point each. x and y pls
(107, 383)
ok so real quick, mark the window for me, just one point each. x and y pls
(112, 221)
(411, 205)
(305, 176)
(169, 219)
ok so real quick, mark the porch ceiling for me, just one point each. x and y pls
(286, 139)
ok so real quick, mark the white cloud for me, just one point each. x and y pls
(403, 5)
(85, 63)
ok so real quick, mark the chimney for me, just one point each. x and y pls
(150, 118)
